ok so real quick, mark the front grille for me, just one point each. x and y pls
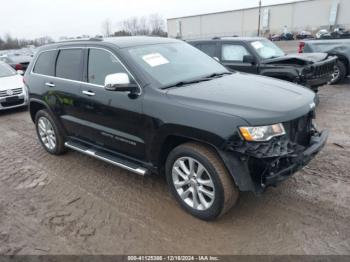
(15, 92)
(13, 103)
(323, 69)
(299, 130)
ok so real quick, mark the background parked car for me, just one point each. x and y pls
(323, 34)
(340, 32)
(258, 55)
(337, 47)
(18, 62)
(304, 35)
(13, 93)
(287, 36)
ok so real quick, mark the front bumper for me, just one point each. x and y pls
(255, 166)
(320, 81)
(298, 161)
(17, 101)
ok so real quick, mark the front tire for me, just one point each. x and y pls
(49, 133)
(200, 182)
(339, 73)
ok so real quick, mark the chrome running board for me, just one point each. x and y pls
(106, 157)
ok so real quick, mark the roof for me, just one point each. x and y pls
(130, 41)
(119, 42)
(239, 9)
(229, 39)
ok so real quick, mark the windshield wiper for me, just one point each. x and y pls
(182, 83)
(206, 78)
(216, 75)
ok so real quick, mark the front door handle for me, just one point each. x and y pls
(50, 84)
(88, 93)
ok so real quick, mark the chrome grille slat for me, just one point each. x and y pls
(15, 91)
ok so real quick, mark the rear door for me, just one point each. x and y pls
(112, 119)
(232, 55)
(64, 89)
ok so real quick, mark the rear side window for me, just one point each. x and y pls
(45, 64)
(234, 52)
(209, 49)
(69, 64)
(102, 63)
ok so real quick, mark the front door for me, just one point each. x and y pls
(112, 119)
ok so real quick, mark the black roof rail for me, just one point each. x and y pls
(221, 37)
(81, 39)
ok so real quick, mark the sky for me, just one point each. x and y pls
(55, 18)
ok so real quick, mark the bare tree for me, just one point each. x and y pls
(107, 28)
(157, 25)
(143, 27)
(130, 25)
(152, 25)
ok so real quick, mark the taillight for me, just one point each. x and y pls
(301, 47)
(18, 67)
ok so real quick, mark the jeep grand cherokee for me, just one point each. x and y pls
(158, 105)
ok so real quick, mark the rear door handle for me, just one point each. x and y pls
(88, 93)
(50, 84)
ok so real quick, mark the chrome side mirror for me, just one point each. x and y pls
(119, 82)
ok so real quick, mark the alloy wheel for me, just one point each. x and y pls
(335, 74)
(193, 183)
(46, 133)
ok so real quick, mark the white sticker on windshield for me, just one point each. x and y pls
(257, 45)
(155, 59)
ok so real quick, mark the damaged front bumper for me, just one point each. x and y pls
(255, 166)
(296, 161)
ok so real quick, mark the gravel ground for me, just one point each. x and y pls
(74, 204)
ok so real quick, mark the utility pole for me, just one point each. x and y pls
(259, 17)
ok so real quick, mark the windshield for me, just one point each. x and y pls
(172, 63)
(6, 70)
(266, 49)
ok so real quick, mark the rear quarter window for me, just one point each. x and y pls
(45, 64)
(209, 49)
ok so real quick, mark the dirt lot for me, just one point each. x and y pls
(74, 204)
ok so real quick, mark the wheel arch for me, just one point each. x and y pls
(36, 105)
(345, 60)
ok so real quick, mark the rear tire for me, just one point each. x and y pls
(212, 191)
(339, 73)
(49, 133)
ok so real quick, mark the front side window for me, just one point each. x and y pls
(69, 64)
(232, 52)
(45, 64)
(102, 63)
(6, 70)
(171, 63)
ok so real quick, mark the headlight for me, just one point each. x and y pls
(262, 133)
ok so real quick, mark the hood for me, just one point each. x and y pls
(11, 82)
(258, 100)
(302, 59)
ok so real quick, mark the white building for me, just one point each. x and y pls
(310, 15)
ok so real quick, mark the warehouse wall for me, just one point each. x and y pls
(308, 15)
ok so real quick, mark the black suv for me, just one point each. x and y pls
(257, 55)
(158, 105)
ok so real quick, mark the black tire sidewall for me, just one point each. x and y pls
(59, 148)
(342, 73)
(217, 206)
